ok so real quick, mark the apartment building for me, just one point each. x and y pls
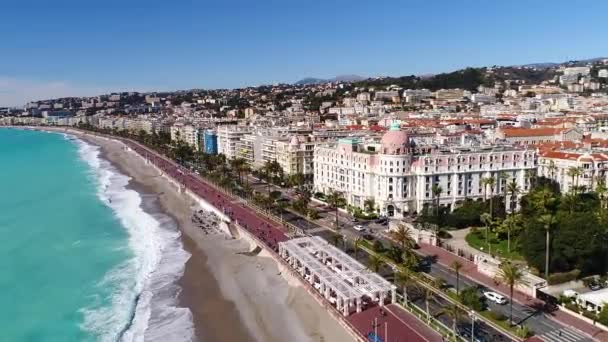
(228, 136)
(186, 133)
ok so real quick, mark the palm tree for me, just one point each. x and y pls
(334, 200)
(489, 181)
(358, 242)
(429, 295)
(601, 191)
(511, 223)
(297, 179)
(574, 173)
(512, 275)
(543, 199)
(454, 313)
(513, 189)
(436, 190)
(403, 278)
(456, 267)
(552, 169)
(403, 236)
(335, 239)
(374, 263)
(369, 205)
(531, 176)
(486, 219)
(547, 220)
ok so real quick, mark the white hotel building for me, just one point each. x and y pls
(399, 177)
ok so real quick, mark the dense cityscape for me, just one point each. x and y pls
(464, 191)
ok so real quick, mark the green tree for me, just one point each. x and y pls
(486, 219)
(369, 205)
(334, 200)
(403, 278)
(436, 190)
(512, 275)
(513, 189)
(454, 313)
(403, 236)
(456, 266)
(374, 263)
(428, 295)
(574, 173)
(548, 221)
(471, 298)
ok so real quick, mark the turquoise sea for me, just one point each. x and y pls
(80, 260)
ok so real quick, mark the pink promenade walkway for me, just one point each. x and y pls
(401, 326)
(266, 230)
(469, 269)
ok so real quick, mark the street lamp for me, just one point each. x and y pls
(473, 318)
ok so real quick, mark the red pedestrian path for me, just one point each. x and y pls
(400, 326)
(469, 269)
(264, 229)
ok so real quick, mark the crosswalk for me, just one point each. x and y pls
(564, 335)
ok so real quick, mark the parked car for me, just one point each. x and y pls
(495, 297)
(382, 220)
(594, 286)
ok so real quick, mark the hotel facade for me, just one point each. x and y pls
(399, 176)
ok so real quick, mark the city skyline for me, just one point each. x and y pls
(156, 47)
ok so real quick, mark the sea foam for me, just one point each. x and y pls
(143, 304)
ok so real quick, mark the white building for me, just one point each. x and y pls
(185, 133)
(592, 167)
(228, 137)
(400, 180)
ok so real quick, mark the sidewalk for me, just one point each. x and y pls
(469, 270)
(393, 321)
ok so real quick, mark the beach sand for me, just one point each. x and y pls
(232, 296)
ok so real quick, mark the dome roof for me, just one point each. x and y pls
(395, 141)
(294, 140)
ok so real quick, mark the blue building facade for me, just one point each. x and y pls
(210, 142)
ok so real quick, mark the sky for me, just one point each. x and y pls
(60, 48)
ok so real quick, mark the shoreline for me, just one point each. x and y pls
(213, 316)
(231, 296)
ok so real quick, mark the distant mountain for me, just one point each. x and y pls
(547, 65)
(310, 80)
(340, 78)
(540, 65)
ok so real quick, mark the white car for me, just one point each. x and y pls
(495, 297)
(359, 228)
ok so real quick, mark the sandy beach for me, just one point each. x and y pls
(232, 296)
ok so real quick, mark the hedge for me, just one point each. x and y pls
(558, 278)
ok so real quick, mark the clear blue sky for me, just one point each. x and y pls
(54, 47)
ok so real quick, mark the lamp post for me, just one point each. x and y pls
(472, 314)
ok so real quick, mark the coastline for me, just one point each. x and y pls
(231, 296)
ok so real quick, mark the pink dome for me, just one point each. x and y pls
(395, 141)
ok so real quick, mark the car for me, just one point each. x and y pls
(381, 220)
(359, 228)
(595, 286)
(495, 297)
